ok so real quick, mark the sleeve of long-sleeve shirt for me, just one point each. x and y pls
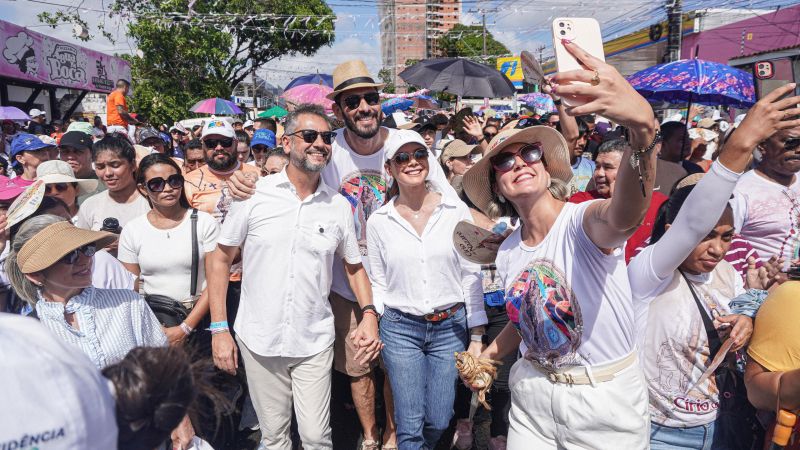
(377, 266)
(698, 216)
(472, 287)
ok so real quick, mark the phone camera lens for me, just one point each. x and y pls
(563, 32)
(561, 24)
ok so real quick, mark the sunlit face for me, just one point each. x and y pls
(115, 172)
(194, 159)
(605, 172)
(712, 249)
(169, 196)
(242, 152)
(311, 157)
(220, 157)
(523, 179)
(62, 276)
(364, 120)
(414, 171)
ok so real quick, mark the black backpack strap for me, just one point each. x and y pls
(195, 254)
(714, 342)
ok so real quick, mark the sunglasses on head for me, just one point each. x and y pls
(353, 101)
(213, 143)
(404, 157)
(503, 162)
(310, 136)
(57, 187)
(88, 250)
(158, 184)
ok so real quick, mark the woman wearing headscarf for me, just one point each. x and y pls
(563, 271)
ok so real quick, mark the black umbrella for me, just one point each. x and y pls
(460, 77)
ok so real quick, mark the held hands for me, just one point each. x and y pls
(739, 326)
(224, 351)
(606, 93)
(768, 116)
(366, 338)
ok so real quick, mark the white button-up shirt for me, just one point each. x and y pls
(288, 248)
(422, 274)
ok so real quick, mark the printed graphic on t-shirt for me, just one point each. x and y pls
(790, 247)
(543, 305)
(366, 192)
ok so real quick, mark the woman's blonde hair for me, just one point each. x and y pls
(24, 288)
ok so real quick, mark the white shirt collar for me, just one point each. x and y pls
(282, 181)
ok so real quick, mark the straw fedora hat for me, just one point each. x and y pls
(351, 74)
(54, 242)
(554, 148)
(57, 171)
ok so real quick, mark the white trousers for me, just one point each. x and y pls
(277, 383)
(545, 415)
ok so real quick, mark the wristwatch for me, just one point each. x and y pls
(482, 338)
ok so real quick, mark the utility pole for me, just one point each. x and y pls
(483, 12)
(674, 23)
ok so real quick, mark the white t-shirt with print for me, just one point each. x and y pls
(165, 256)
(580, 310)
(675, 352)
(363, 181)
(767, 214)
(100, 206)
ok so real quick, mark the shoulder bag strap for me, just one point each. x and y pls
(714, 342)
(195, 254)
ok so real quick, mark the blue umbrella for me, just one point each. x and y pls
(695, 81)
(315, 78)
(396, 104)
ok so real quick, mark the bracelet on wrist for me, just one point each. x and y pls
(373, 312)
(219, 331)
(218, 325)
(186, 328)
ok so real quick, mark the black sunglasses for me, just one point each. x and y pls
(310, 136)
(404, 157)
(258, 148)
(791, 144)
(504, 162)
(158, 184)
(213, 143)
(88, 250)
(352, 101)
(57, 187)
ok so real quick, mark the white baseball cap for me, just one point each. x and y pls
(59, 398)
(400, 138)
(36, 113)
(218, 126)
(247, 123)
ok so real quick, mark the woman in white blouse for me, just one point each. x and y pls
(432, 298)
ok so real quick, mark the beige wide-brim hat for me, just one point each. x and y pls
(56, 171)
(52, 243)
(554, 148)
(350, 75)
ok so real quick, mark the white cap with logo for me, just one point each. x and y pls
(219, 127)
(36, 113)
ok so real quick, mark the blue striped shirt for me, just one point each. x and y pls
(111, 322)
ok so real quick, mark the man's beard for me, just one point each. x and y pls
(221, 166)
(306, 165)
(361, 132)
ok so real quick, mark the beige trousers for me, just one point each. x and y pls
(277, 383)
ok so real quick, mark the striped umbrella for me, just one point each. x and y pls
(216, 105)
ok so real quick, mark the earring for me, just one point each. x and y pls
(500, 198)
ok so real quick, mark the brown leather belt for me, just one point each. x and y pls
(438, 316)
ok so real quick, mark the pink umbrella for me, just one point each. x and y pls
(309, 93)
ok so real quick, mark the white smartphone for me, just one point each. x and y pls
(585, 33)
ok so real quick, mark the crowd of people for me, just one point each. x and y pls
(641, 291)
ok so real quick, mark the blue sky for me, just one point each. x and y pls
(520, 24)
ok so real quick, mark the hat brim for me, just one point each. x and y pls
(60, 245)
(556, 156)
(85, 186)
(332, 95)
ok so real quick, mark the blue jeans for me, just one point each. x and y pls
(420, 361)
(700, 437)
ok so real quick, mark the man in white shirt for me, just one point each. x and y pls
(289, 231)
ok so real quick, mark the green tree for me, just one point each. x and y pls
(466, 41)
(385, 76)
(206, 52)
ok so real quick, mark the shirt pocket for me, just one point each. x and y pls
(324, 237)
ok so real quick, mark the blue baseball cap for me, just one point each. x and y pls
(25, 142)
(263, 137)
